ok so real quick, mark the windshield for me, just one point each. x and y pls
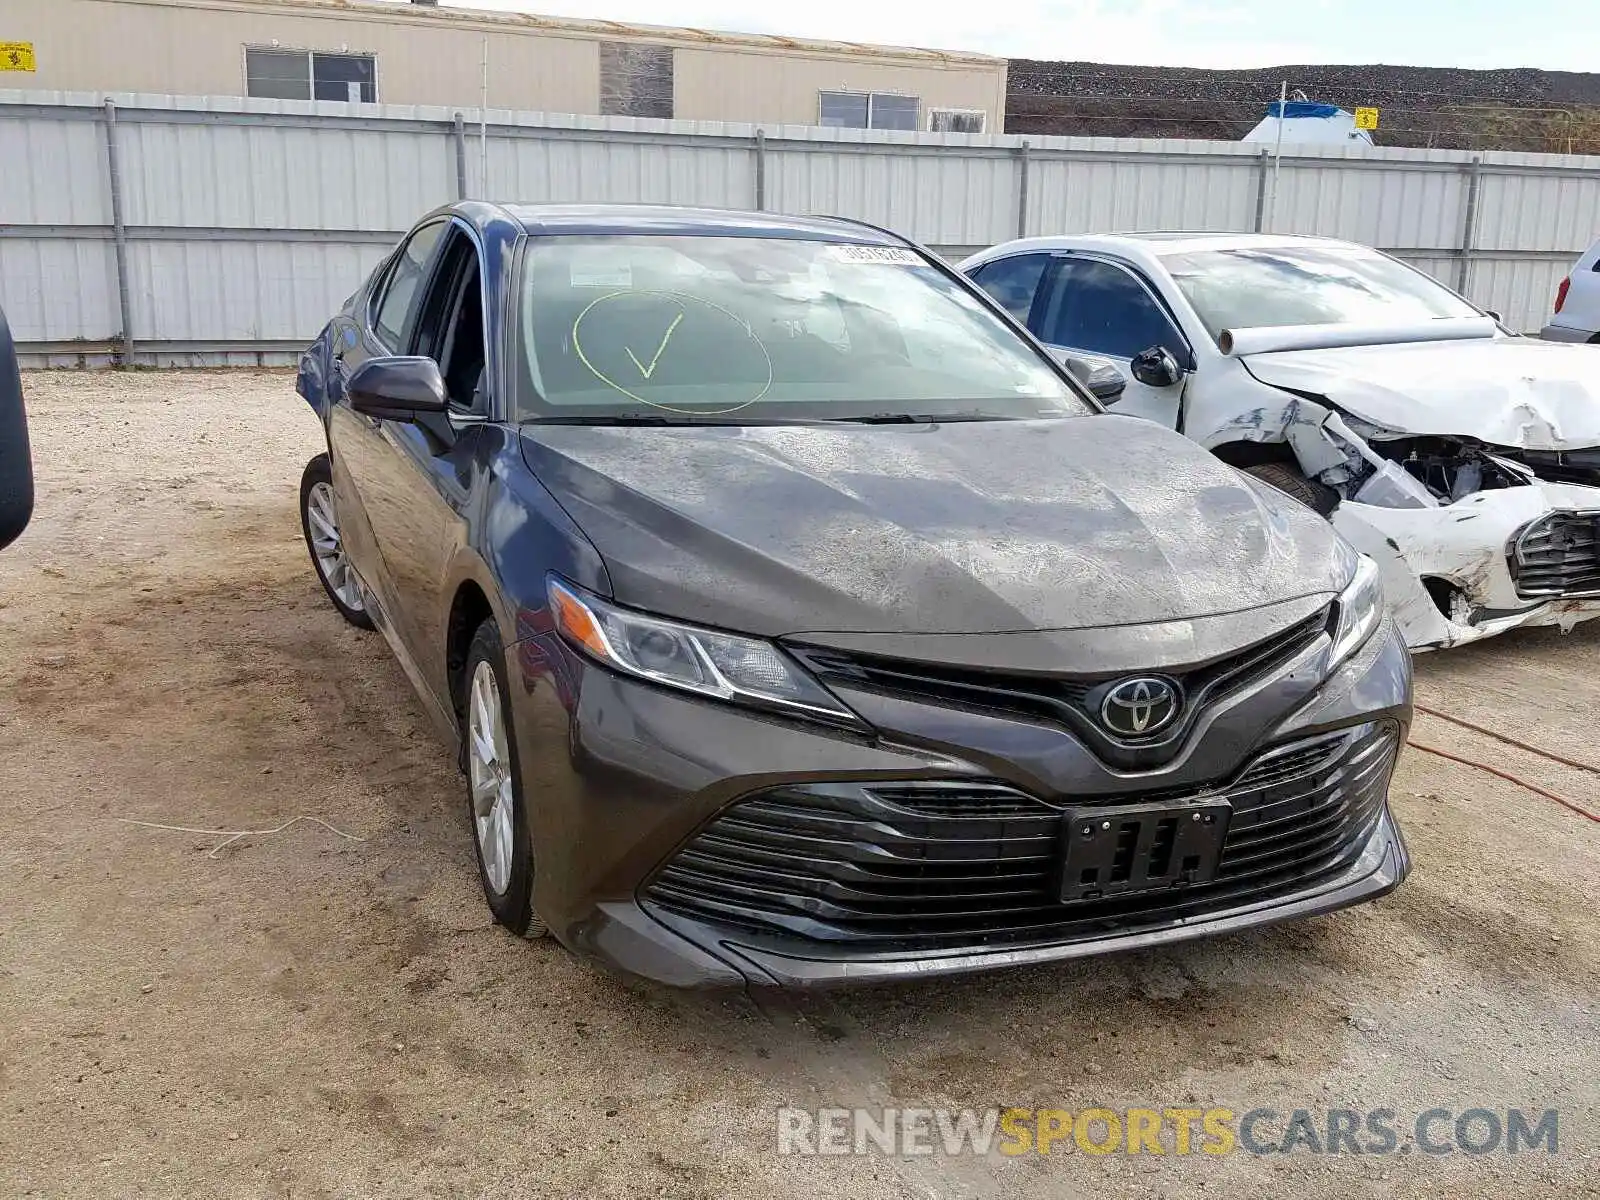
(1307, 285)
(740, 328)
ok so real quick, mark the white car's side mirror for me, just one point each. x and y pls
(1157, 368)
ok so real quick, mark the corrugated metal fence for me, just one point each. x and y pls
(160, 229)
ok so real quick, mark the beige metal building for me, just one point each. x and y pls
(415, 53)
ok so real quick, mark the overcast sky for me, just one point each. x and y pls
(1554, 34)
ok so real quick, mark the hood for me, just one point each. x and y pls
(980, 527)
(1515, 392)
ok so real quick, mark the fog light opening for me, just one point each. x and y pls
(1450, 600)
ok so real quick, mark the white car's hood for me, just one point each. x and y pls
(1515, 392)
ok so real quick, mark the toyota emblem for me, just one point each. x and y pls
(1140, 707)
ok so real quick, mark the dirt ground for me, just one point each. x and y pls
(306, 1015)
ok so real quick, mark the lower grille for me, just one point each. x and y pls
(1558, 555)
(904, 867)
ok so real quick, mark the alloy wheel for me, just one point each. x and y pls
(327, 548)
(489, 766)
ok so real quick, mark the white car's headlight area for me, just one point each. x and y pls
(723, 666)
(1360, 609)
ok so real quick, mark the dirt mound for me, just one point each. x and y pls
(1521, 109)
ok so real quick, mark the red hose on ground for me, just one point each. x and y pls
(1510, 741)
(1510, 778)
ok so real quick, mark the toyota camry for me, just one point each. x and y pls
(798, 619)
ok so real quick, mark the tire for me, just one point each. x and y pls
(319, 522)
(496, 810)
(1318, 497)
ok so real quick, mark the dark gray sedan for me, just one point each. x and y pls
(799, 620)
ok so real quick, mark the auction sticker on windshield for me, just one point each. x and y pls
(896, 256)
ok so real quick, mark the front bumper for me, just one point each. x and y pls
(1566, 333)
(1377, 870)
(620, 777)
(1464, 545)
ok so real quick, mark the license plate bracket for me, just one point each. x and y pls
(1128, 848)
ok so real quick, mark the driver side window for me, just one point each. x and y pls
(1104, 309)
(450, 323)
(392, 307)
(1013, 281)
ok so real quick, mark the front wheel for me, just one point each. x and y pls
(494, 787)
(319, 520)
(1287, 479)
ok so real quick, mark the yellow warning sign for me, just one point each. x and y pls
(16, 56)
(1366, 118)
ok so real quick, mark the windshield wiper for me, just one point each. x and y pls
(900, 418)
(663, 419)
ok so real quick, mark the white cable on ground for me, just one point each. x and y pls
(231, 836)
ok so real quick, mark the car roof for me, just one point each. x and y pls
(568, 220)
(1178, 242)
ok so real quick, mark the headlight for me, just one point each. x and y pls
(720, 665)
(1360, 610)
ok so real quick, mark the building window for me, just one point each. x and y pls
(309, 75)
(635, 80)
(344, 77)
(956, 120)
(868, 110)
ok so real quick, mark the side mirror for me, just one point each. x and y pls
(16, 463)
(397, 389)
(1156, 368)
(1099, 375)
(1501, 320)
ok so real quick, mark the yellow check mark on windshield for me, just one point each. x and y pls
(665, 338)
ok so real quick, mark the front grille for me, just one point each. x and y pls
(923, 866)
(1558, 555)
(1070, 701)
(959, 800)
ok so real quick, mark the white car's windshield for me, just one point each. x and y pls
(1258, 286)
(746, 328)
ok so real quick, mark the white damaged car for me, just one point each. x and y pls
(1464, 459)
